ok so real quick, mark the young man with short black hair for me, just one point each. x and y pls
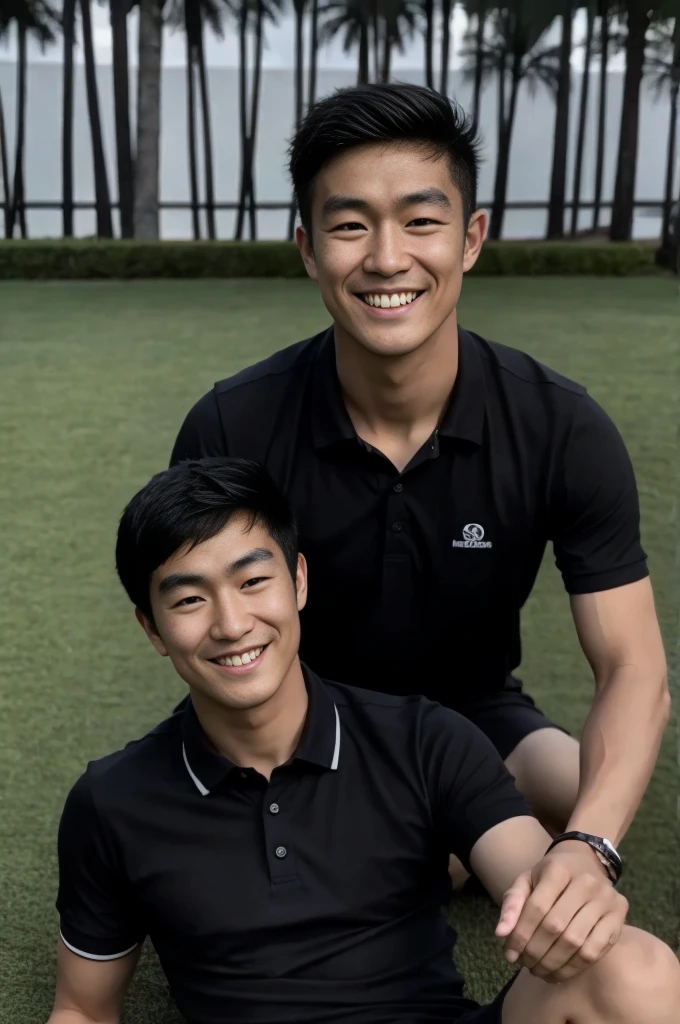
(428, 469)
(284, 841)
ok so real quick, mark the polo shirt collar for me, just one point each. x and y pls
(319, 743)
(464, 417)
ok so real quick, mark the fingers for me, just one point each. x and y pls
(598, 943)
(573, 916)
(513, 904)
(553, 882)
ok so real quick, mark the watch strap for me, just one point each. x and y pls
(610, 859)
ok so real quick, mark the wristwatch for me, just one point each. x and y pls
(605, 851)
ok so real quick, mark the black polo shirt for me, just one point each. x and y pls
(315, 897)
(417, 579)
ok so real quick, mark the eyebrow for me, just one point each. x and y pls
(426, 196)
(175, 580)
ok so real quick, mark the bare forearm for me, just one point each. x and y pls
(619, 748)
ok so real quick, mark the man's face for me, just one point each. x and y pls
(226, 614)
(389, 244)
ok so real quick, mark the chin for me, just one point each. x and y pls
(391, 347)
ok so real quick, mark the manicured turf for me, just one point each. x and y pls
(95, 381)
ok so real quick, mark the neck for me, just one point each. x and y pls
(263, 737)
(399, 395)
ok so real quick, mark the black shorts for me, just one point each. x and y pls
(507, 717)
(491, 1013)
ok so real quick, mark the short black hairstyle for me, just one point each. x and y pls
(395, 112)
(190, 503)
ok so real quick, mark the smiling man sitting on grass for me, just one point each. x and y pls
(284, 841)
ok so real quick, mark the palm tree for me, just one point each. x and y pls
(147, 162)
(102, 196)
(250, 13)
(558, 176)
(398, 19)
(300, 9)
(447, 11)
(513, 55)
(428, 13)
(192, 16)
(313, 52)
(477, 13)
(604, 13)
(118, 16)
(638, 21)
(583, 116)
(4, 169)
(68, 28)
(32, 18)
(351, 19)
(663, 65)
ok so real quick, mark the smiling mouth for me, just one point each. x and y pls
(240, 660)
(391, 300)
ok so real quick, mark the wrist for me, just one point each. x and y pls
(601, 849)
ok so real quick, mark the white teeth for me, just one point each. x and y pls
(390, 301)
(243, 659)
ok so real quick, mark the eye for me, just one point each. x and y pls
(187, 601)
(422, 222)
(351, 225)
(255, 581)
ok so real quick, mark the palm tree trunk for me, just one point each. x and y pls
(387, 55)
(243, 118)
(669, 198)
(582, 121)
(363, 70)
(208, 170)
(147, 164)
(621, 228)
(429, 43)
(479, 69)
(558, 178)
(4, 170)
(602, 111)
(503, 164)
(375, 22)
(447, 6)
(68, 28)
(313, 58)
(102, 196)
(17, 207)
(191, 135)
(121, 98)
(299, 85)
(254, 112)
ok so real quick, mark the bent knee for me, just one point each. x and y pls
(639, 979)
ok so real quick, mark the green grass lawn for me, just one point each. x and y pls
(95, 381)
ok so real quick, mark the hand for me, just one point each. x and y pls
(562, 916)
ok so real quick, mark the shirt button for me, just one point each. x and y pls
(398, 488)
(274, 808)
(281, 852)
(397, 527)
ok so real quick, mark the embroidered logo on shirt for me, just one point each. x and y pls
(473, 537)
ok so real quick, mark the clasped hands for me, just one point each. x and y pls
(562, 916)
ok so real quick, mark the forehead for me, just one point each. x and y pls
(380, 173)
(210, 557)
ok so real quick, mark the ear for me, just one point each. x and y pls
(301, 582)
(305, 246)
(149, 627)
(474, 238)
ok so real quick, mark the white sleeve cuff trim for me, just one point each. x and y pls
(94, 956)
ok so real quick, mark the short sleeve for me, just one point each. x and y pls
(470, 788)
(201, 435)
(97, 916)
(595, 510)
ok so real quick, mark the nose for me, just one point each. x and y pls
(231, 619)
(387, 254)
